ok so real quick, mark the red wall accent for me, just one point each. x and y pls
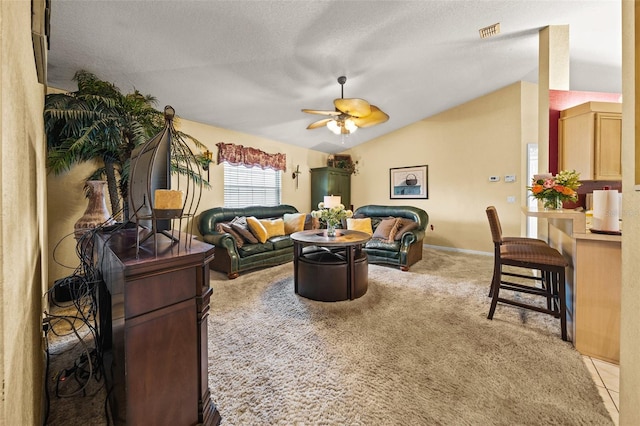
(563, 99)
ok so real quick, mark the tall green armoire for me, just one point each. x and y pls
(330, 181)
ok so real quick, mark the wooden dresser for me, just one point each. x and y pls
(153, 311)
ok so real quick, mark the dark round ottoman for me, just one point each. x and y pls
(324, 276)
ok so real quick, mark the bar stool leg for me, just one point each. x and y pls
(563, 304)
(495, 290)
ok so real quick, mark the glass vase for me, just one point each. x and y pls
(331, 230)
(553, 203)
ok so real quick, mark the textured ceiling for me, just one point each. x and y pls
(251, 66)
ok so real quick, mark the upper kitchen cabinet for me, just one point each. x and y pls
(590, 140)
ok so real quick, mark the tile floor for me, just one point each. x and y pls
(606, 377)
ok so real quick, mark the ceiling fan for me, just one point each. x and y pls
(349, 114)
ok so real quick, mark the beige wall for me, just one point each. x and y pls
(462, 147)
(630, 297)
(66, 201)
(22, 220)
(305, 158)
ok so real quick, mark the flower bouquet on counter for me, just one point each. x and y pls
(554, 190)
(331, 216)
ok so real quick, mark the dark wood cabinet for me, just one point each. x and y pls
(330, 181)
(153, 311)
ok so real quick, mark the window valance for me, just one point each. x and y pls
(250, 157)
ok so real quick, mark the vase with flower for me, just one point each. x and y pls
(554, 190)
(331, 216)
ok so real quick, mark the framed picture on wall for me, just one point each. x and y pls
(409, 182)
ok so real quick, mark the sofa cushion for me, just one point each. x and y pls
(251, 249)
(405, 225)
(363, 225)
(239, 224)
(387, 229)
(293, 222)
(280, 242)
(383, 245)
(226, 228)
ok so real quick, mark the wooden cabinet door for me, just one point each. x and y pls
(590, 140)
(330, 181)
(608, 147)
(577, 145)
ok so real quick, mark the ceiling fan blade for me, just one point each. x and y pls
(321, 112)
(377, 116)
(353, 106)
(319, 123)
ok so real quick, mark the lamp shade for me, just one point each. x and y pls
(331, 201)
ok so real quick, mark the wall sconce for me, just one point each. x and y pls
(295, 174)
(207, 158)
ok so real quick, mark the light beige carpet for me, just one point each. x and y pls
(417, 349)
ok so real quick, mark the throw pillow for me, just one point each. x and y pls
(257, 229)
(274, 227)
(239, 224)
(363, 225)
(405, 225)
(226, 228)
(311, 222)
(387, 229)
(293, 222)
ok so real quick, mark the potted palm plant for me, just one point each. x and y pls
(99, 122)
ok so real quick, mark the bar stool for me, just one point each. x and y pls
(534, 256)
(494, 222)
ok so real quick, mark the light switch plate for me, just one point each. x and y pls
(494, 178)
(510, 178)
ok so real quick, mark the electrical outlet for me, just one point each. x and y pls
(511, 199)
(494, 178)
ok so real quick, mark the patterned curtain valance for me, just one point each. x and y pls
(250, 157)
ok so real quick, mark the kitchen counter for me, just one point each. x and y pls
(594, 278)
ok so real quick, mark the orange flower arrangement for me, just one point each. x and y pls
(553, 190)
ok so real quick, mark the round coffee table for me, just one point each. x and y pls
(330, 269)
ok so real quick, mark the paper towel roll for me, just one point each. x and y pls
(606, 210)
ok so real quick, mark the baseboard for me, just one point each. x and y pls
(445, 248)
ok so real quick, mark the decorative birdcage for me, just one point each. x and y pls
(165, 187)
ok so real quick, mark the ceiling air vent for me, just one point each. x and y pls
(490, 31)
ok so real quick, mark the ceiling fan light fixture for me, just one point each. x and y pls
(334, 127)
(350, 125)
(342, 126)
(349, 114)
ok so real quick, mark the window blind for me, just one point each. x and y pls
(250, 186)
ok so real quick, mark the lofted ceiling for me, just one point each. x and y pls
(251, 66)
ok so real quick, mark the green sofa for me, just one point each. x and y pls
(232, 260)
(407, 249)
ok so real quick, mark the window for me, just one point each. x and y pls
(250, 186)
